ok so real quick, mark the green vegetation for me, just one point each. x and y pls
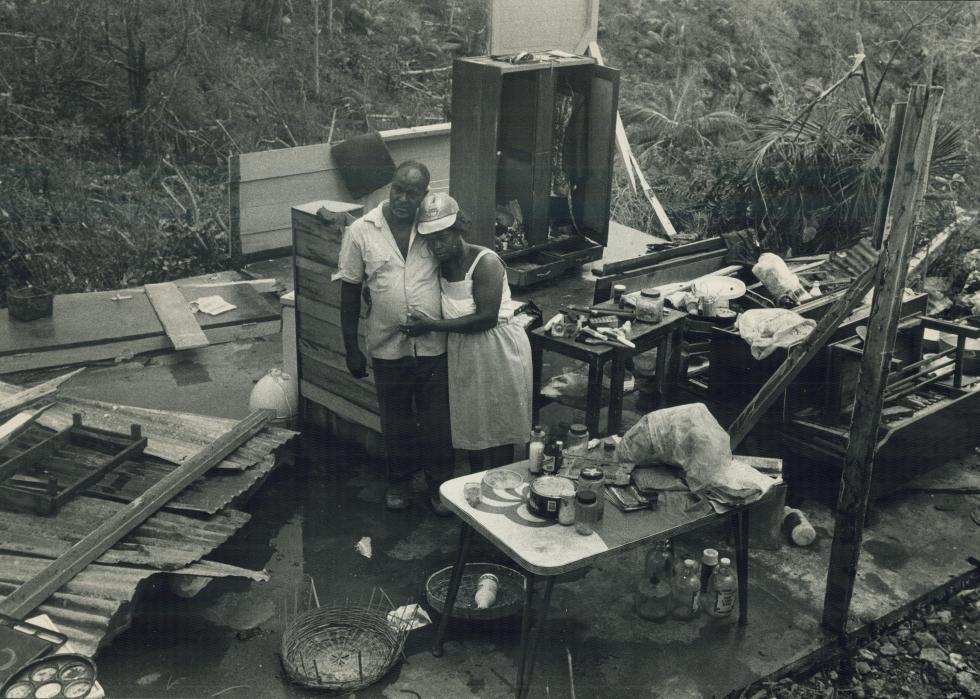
(117, 116)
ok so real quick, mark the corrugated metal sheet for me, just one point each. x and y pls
(132, 478)
(849, 263)
(165, 541)
(95, 604)
(171, 436)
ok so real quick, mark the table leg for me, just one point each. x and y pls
(662, 349)
(531, 646)
(741, 522)
(537, 364)
(616, 379)
(525, 627)
(465, 536)
(593, 399)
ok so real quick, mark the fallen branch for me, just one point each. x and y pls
(427, 71)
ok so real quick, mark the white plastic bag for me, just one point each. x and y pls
(772, 271)
(688, 436)
(765, 329)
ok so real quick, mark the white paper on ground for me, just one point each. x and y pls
(212, 305)
(409, 617)
(363, 546)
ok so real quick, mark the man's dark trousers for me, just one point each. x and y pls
(413, 394)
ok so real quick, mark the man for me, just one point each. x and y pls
(382, 250)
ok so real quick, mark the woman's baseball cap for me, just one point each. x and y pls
(437, 212)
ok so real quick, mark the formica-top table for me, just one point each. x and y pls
(666, 336)
(545, 548)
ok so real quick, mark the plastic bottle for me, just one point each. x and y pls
(486, 591)
(687, 592)
(722, 590)
(653, 599)
(709, 561)
(797, 527)
(535, 450)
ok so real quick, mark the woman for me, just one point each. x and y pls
(489, 356)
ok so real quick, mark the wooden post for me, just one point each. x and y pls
(893, 135)
(911, 175)
(316, 47)
(33, 592)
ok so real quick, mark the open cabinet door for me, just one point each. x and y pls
(592, 199)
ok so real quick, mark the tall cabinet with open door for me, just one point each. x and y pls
(531, 159)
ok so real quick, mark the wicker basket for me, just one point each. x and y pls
(344, 647)
(510, 591)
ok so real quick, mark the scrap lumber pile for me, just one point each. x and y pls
(164, 510)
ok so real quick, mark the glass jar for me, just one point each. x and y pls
(586, 512)
(566, 510)
(650, 306)
(577, 441)
(592, 479)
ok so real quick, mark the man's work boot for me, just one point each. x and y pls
(397, 497)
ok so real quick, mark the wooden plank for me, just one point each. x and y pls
(42, 585)
(635, 263)
(343, 408)
(893, 136)
(16, 425)
(911, 177)
(323, 331)
(176, 316)
(798, 358)
(31, 395)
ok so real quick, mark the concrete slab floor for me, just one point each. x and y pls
(308, 518)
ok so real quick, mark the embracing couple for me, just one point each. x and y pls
(450, 368)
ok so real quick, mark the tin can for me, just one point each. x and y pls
(709, 306)
(618, 291)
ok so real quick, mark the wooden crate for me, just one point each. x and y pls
(318, 229)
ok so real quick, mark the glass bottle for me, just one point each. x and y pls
(586, 512)
(653, 599)
(709, 561)
(566, 510)
(593, 479)
(722, 590)
(535, 450)
(660, 561)
(687, 592)
(577, 441)
(552, 466)
(650, 306)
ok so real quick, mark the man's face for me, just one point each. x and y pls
(444, 244)
(406, 193)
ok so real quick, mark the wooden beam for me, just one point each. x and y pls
(35, 591)
(911, 177)
(36, 393)
(176, 317)
(18, 424)
(798, 357)
(893, 135)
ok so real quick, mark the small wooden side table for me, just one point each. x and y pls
(666, 336)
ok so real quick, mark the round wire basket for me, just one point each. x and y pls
(346, 647)
(509, 599)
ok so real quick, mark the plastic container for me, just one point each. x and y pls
(650, 306)
(686, 592)
(276, 391)
(722, 594)
(586, 512)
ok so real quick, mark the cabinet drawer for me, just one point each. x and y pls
(534, 268)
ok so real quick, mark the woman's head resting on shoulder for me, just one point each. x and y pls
(442, 225)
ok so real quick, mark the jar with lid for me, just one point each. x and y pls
(586, 512)
(592, 479)
(650, 306)
(577, 441)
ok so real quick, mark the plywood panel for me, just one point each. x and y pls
(339, 382)
(332, 359)
(339, 406)
(518, 25)
(279, 239)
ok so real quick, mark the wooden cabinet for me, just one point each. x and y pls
(541, 134)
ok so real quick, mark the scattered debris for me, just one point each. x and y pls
(363, 546)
